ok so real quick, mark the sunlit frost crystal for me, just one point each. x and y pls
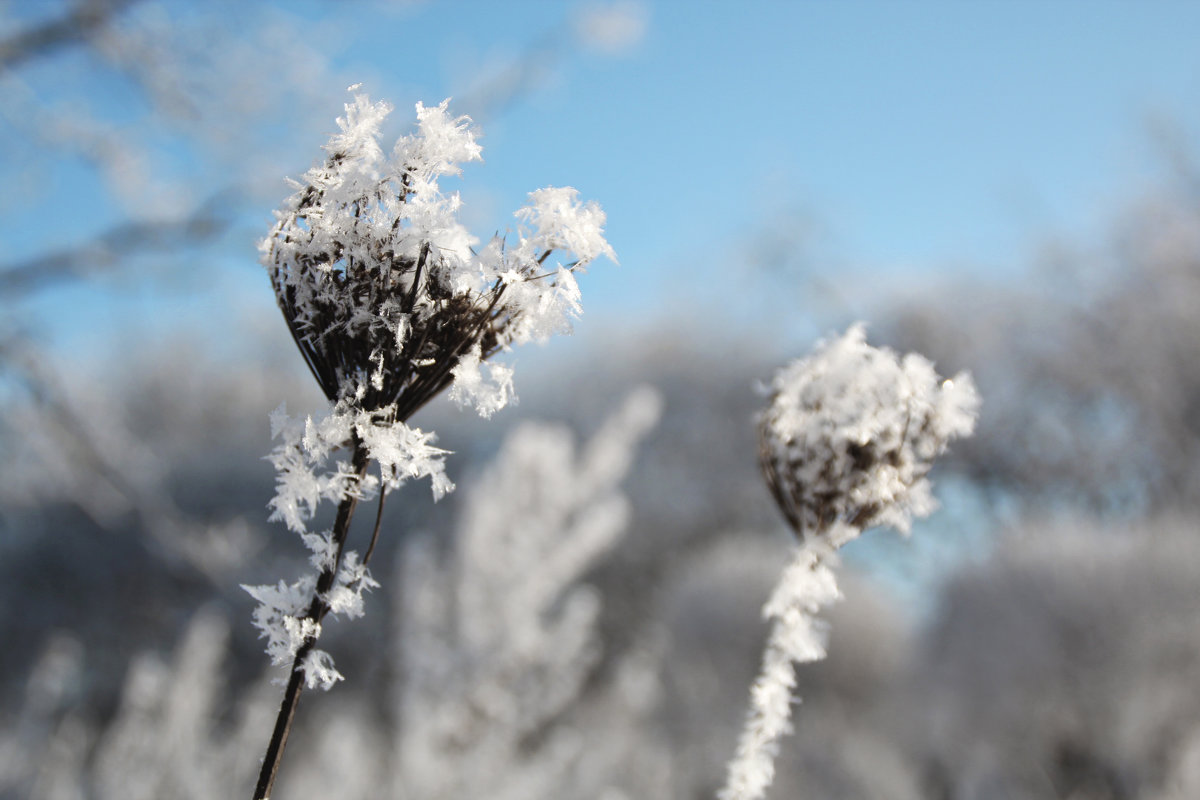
(386, 293)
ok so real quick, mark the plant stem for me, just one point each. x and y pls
(316, 612)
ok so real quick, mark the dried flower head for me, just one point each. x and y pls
(381, 286)
(851, 432)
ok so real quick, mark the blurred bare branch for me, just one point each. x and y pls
(70, 29)
(181, 538)
(113, 248)
(610, 28)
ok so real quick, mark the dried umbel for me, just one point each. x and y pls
(851, 432)
(383, 289)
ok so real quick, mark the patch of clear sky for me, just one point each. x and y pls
(921, 135)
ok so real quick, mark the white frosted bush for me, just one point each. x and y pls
(499, 637)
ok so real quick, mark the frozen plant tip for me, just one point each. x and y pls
(850, 433)
(387, 295)
(391, 301)
(845, 443)
(797, 636)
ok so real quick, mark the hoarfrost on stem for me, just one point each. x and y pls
(845, 443)
(797, 636)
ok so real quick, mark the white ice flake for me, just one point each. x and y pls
(319, 670)
(346, 596)
(556, 220)
(281, 617)
(403, 453)
(486, 394)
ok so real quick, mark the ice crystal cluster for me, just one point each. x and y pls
(851, 432)
(387, 295)
(845, 443)
(391, 301)
(305, 477)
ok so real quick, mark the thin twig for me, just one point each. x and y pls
(203, 225)
(366, 559)
(76, 26)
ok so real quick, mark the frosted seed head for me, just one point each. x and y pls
(850, 433)
(386, 293)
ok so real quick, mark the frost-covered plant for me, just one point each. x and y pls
(385, 292)
(846, 441)
(390, 302)
(851, 431)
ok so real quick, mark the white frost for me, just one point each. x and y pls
(852, 430)
(797, 636)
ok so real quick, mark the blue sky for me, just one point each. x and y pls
(894, 139)
(920, 135)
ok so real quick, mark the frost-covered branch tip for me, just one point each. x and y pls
(845, 443)
(851, 431)
(797, 636)
(388, 296)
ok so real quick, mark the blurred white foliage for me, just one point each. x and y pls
(165, 739)
(497, 637)
(207, 83)
(1065, 666)
(78, 444)
(33, 741)
(165, 718)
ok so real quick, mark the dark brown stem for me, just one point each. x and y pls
(316, 612)
(366, 559)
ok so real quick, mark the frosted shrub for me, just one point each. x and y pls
(846, 441)
(499, 636)
(390, 301)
